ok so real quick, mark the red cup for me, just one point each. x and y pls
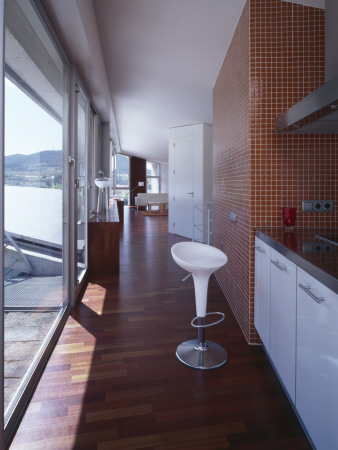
(289, 240)
(289, 217)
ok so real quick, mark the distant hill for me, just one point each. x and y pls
(51, 159)
(122, 164)
(46, 158)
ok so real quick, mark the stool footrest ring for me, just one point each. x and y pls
(209, 324)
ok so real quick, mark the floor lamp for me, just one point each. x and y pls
(140, 183)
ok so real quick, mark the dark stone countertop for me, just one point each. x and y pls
(318, 258)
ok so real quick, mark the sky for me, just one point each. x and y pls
(28, 128)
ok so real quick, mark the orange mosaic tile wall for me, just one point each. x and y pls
(231, 170)
(275, 59)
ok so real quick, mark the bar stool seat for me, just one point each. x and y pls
(200, 260)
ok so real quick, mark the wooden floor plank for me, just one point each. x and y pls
(113, 380)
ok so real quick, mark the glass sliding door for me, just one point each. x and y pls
(93, 158)
(93, 149)
(81, 183)
(2, 75)
(35, 298)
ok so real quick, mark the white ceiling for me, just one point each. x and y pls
(157, 60)
(162, 59)
(314, 3)
(149, 65)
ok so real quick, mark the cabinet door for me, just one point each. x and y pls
(262, 291)
(283, 320)
(317, 360)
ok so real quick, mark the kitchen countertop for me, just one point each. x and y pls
(302, 247)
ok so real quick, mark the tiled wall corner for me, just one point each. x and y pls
(256, 172)
(231, 170)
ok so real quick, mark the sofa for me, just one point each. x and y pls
(144, 199)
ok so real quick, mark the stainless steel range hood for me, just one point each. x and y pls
(318, 112)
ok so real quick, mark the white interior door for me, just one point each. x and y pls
(183, 186)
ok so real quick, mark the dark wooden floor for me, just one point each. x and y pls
(113, 381)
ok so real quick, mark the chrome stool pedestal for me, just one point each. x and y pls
(199, 353)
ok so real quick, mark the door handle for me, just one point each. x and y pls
(77, 183)
(278, 265)
(190, 193)
(314, 297)
(259, 249)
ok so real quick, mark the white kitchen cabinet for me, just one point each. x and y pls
(317, 361)
(262, 291)
(283, 319)
(303, 340)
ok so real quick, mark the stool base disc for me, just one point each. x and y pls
(211, 358)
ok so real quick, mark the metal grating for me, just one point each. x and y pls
(25, 292)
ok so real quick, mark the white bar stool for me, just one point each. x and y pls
(200, 260)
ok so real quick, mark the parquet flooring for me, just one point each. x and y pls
(113, 381)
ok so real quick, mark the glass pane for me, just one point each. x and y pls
(122, 171)
(153, 169)
(153, 185)
(122, 194)
(153, 177)
(81, 168)
(33, 249)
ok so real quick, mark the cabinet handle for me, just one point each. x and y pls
(259, 249)
(280, 267)
(307, 289)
